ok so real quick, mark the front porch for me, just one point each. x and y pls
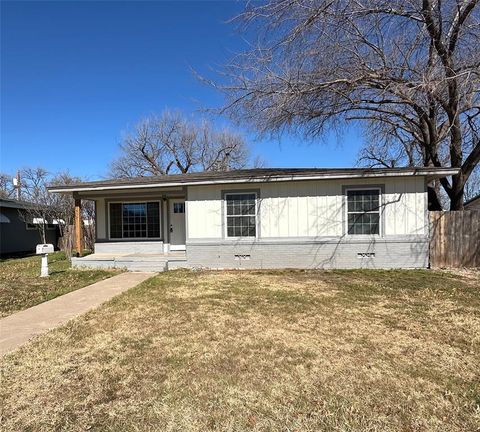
(152, 262)
(134, 230)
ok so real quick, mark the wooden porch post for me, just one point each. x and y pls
(78, 226)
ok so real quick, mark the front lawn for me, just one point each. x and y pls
(22, 287)
(262, 351)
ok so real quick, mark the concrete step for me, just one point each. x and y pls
(140, 262)
(160, 259)
(139, 266)
(122, 247)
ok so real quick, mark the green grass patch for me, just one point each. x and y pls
(22, 287)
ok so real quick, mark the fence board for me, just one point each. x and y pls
(455, 239)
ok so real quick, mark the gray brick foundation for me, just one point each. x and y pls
(411, 252)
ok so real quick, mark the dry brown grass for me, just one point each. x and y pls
(269, 351)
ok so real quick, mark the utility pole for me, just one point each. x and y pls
(17, 185)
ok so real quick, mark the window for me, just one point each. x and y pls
(35, 223)
(241, 214)
(363, 211)
(135, 220)
(179, 207)
(116, 220)
(153, 219)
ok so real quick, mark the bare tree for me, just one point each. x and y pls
(88, 217)
(46, 208)
(6, 186)
(169, 143)
(64, 207)
(472, 187)
(408, 70)
(43, 210)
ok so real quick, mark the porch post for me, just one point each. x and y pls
(165, 225)
(78, 227)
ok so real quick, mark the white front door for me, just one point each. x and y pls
(177, 224)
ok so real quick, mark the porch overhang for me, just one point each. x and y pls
(127, 193)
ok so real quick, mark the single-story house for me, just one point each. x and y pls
(261, 218)
(472, 204)
(19, 230)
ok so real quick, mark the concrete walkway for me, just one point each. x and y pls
(18, 328)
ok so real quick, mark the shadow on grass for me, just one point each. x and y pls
(57, 272)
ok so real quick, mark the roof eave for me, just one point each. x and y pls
(439, 173)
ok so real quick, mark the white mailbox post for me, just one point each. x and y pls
(44, 250)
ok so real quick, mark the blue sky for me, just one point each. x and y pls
(76, 75)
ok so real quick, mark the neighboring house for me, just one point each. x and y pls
(262, 218)
(19, 232)
(472, 204)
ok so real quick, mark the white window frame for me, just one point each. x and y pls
(136, 201)
(380, 211)
(225, 216)
(37, 223)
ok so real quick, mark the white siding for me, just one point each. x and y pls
(405, 206)
(301, 209)
(100, 218)
(204, 212)
(309, 208)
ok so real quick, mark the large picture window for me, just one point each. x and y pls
(363, 211)
(241, 214)
(135, 220)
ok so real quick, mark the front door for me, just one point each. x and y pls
(177, 224)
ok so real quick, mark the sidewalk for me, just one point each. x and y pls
(18, 328)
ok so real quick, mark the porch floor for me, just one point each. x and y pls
(133, 261)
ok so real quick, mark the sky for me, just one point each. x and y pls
(75, 76)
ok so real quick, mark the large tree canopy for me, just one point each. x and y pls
(408, 70)
(170, 143)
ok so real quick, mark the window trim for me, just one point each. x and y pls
(380, 209)
(225, 216)
(135, 201)
(32, 226)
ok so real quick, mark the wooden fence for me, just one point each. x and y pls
(455, 238)
(67, 239)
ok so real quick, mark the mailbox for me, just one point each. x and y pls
(44, 249)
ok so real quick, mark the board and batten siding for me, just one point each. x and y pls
(100, 217)
(309, 208)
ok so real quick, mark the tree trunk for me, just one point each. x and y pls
(44, 233)
(456, 198)
(433, 200)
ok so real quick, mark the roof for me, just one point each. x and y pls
(251, 175)
(472, 202)
(13, 203)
